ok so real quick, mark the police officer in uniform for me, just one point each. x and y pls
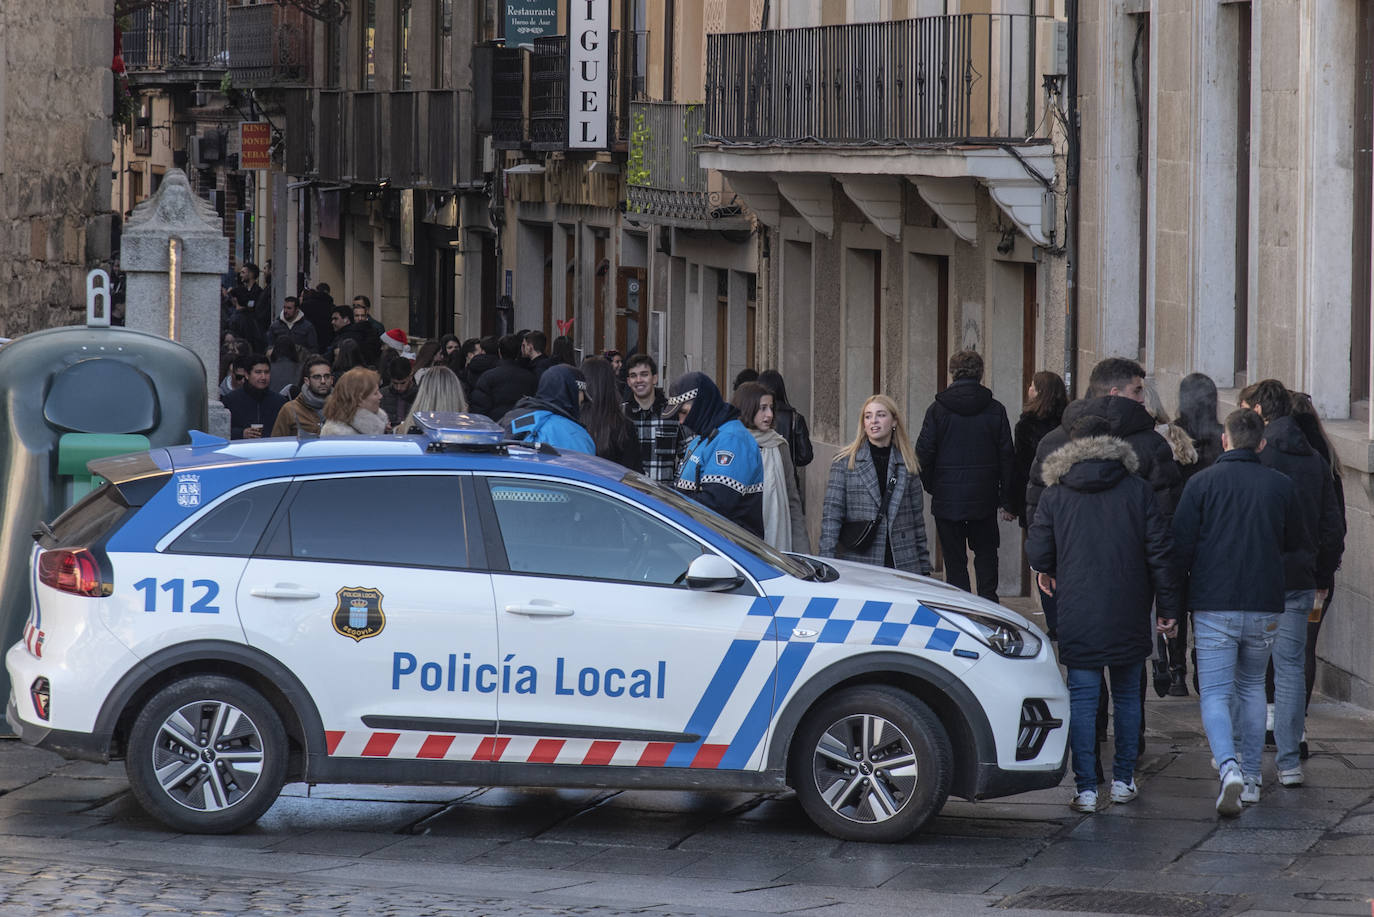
(722, 469)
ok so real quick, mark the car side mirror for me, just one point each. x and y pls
(712, 573)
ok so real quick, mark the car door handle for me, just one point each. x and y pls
(282, 591)
(540, 608)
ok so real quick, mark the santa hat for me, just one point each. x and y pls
(396, 339)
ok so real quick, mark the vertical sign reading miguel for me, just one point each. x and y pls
(589, 65)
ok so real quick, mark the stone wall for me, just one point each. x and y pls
(56, 92)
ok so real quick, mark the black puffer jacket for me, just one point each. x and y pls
(1030, 429)
(966, 455)
(1129, 421)
(498, 389)
(1287, 450)
(1097, 516)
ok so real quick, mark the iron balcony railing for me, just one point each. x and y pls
(177, 35)
(544, 102)
(268, 44)
(663, 173)
(942, 78)
(410, 138)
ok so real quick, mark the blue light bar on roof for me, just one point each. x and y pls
(453, 428)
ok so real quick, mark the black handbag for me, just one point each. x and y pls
(858, 535)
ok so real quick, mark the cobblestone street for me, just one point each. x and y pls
(75, 843)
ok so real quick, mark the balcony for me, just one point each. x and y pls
(945, 105)
(409, 138)
(269, 44)
(534, 113)
(664, 175)
(973, 76)
(180, 35)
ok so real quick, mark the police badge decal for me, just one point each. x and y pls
(358, 613)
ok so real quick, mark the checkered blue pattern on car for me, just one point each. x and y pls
(775, 622)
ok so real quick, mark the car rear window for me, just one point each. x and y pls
(89, 519)
(405, 520)
(234, 527)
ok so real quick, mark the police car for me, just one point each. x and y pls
(456, 608)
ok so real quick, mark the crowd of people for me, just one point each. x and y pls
(1133, 520)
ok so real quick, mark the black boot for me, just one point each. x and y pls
(1160, 668)
(1178, 682)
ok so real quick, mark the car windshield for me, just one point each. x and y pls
(787, 563)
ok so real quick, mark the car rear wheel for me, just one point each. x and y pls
(871, 764)
(207, 755)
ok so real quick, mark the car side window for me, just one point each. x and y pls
(412, 520)
(233, 528)
(555, 528)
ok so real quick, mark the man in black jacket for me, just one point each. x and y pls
(1098, 515)
(1116, 391)
(346, 329)
(253, 408)
(499, 388)
(968, 465)
(1234, 522)
(1314, 560)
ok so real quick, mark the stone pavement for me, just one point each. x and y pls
(73, 842)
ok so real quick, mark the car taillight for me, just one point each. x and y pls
(71, 570)
(41, 695)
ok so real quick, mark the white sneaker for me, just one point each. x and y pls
(1291, 776)
(1228, 801)
(1123, 791)
(1084, 801)
(1251, 794)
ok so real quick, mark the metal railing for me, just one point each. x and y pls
(663, 173)
(331, 135)
(508, 98)
(365, 136)
(548, 103)
(268, 43)
(177, 35)
(940, 78)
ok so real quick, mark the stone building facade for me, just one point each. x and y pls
(1226, 209)
(56, 93)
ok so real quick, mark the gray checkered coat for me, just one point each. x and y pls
(853, 495)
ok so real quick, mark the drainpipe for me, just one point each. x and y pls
(1071, 229)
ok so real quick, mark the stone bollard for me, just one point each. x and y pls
(174, 255)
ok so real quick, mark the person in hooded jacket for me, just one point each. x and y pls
(1315, 560)
(1046, 398)
(551, 415)
(1116, 391)
(722, 468)
(969, 467)
(1097, 514)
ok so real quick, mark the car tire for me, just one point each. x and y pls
(871, 764)
(207, 755)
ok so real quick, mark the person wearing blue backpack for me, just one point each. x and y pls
(551, 414)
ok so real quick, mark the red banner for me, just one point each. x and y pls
(255, 145)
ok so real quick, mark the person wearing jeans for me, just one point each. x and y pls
(1232, 526)
(1312, 561)
(1232, 652)
(1096, 515)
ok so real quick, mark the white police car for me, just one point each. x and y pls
(454, 609)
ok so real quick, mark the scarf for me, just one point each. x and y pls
(369, 423)
(311, 400)
(777, 516)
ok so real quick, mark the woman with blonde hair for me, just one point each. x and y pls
(440, 391)
(354, 408)
(873, 510)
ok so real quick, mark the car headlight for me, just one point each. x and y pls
(1002, 637)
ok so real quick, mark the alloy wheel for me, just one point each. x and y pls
(865, 768)
(208, 755)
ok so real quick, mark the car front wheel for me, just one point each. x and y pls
(207, 755)
(871, 764)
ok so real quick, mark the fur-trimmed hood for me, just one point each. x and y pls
(1105, 452)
